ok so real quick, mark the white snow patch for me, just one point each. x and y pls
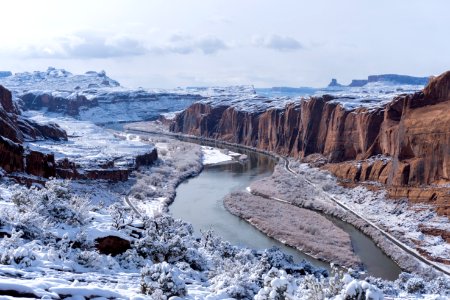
(213, 155)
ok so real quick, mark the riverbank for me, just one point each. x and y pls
(298, 192)
(300, 228)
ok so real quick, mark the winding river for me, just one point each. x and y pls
(199, 201)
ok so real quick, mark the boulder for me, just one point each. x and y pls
(112, 245)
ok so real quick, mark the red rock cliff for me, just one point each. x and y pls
(14, 129)
(412, 131)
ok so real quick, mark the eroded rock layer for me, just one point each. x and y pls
(403, 144)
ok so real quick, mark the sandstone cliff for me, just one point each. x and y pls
(404, 144)
(14, 129)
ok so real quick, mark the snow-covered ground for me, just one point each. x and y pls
(212, 156)
(48, 256)
(88, 144)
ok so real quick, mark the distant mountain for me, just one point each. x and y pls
(5, 74)
(334, 83)
(391, 78)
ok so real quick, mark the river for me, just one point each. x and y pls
(199, 201)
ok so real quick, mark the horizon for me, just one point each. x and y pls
(211, 86)
(160, 44)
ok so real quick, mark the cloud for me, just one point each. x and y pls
(277, 42)
(186, 44)
(86, 45)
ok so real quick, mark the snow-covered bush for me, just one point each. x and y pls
(240, 272)
(341, 285)
(14, 251)
(162, 281)
(56, 203)
(170, 240)
(278, 285)
(120, 218)
(357, 289)
(415, 285)
(130, 260)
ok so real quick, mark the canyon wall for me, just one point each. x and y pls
(14, 130)
(404, 144)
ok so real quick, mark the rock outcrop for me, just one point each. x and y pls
(68, 105)
(403, 144)
(14, 130)
(17, 128)
(334, 83)
(112, 245)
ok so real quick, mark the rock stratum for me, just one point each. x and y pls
(404, 144)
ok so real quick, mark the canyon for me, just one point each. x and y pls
(28, 166)
(402, 145)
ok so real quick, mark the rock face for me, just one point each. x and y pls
(17, 128)
(68, 105)
(14, 129)
(411, 132)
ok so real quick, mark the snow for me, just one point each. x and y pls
(213, 155)
(88, 145)
(85, 291)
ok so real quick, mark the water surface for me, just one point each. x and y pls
(199, 201)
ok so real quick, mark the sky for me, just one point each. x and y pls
(171, 43)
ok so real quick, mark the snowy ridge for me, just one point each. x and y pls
(372, 95)
(57, 79)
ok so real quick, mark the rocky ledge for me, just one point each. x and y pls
(404, 144)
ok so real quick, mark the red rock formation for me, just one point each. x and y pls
(146, 159)
(112, 245)
(56, 104)
(412, 130)
(14, 129)
(40, 164)
(11, 155)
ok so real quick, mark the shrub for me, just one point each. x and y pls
(162, 281)
(415, 285)
(55, 203)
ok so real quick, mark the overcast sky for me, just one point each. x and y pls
(171, 43)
